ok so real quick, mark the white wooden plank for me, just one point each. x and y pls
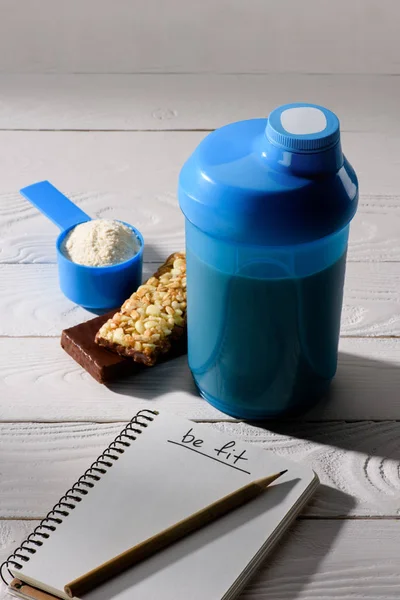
(31, 302)
(332, 560)
(203, 101)
(374, 233)
(226, 36)
(38, 381)
(371, 300)
(50, 311)
(12, 533)
(133, 176)
(357, 463)
(314, 560)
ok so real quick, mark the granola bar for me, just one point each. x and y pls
(152, 318)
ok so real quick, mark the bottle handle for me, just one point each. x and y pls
(54, 205)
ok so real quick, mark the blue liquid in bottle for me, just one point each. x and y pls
(270, 345)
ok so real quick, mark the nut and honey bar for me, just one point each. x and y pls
(153, 318)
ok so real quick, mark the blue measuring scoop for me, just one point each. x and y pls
(96, 288)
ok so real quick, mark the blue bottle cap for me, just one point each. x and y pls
(303, 127)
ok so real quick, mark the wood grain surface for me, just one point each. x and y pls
(54, 419)
(328, 559)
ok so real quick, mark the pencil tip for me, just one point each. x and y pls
(264, 482)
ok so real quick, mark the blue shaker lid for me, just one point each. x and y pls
(277, 181)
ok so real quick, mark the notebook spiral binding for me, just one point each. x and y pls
(74, 495)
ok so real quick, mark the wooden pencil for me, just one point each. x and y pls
(159, 541)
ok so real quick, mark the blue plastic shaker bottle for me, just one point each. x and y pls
(268, 204)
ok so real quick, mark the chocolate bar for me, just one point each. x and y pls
(100, 363)
(152, 320)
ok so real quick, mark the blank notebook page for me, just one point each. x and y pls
(173, 469)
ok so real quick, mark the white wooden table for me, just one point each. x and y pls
(115, 145)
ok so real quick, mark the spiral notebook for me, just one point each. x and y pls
(159, 470)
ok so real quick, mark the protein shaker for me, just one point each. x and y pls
(268, 204)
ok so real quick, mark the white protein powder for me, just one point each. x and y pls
(100, 243)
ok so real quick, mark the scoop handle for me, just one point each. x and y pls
(54, 205)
